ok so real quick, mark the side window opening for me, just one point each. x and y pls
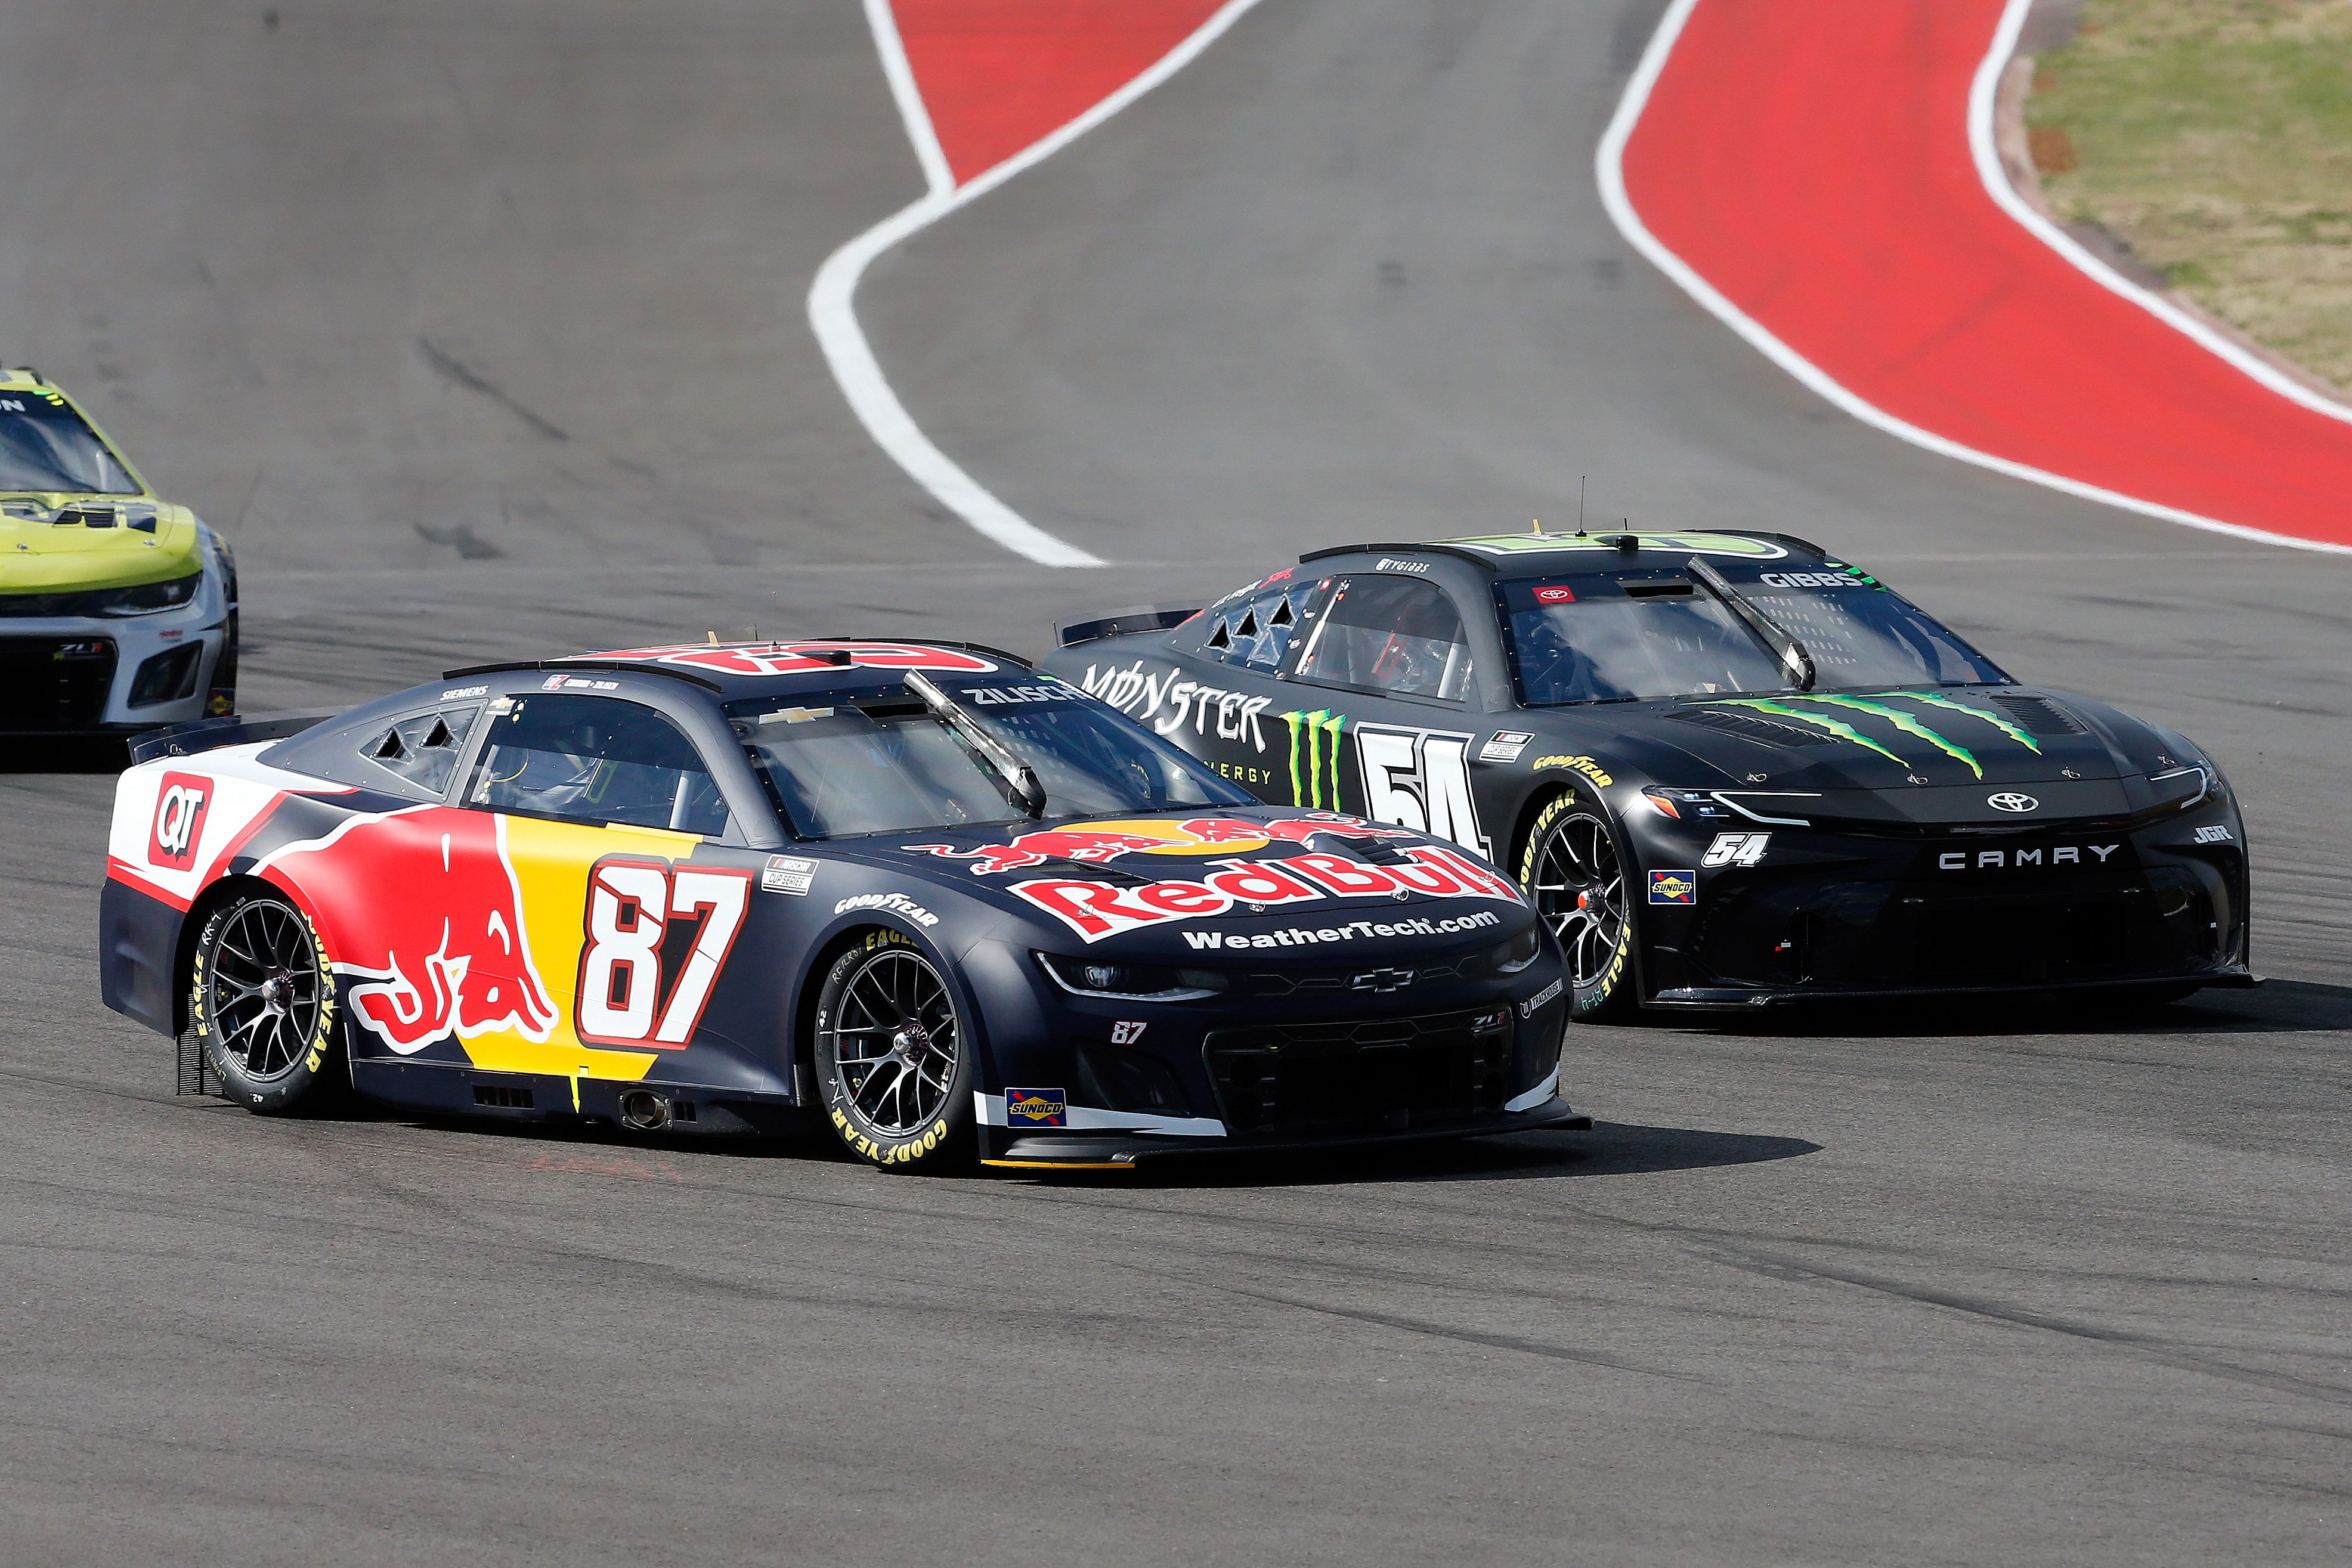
(596, 759)
(423, 748)
(1396, 635)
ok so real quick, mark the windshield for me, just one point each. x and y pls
(892, 766)
(45, 445)
(1647, 635)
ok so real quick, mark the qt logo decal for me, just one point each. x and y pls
(179, 820)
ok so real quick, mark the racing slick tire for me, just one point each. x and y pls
(1573, 870)
(893, 1060)
(261, 1003)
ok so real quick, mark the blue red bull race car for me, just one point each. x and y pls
(956, 907)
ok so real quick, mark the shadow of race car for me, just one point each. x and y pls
(958, 907)
(1729, 769)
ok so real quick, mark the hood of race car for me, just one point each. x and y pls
(1202, 880)
(1943, 755)
(52, 543)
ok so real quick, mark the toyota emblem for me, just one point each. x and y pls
(2006, 802)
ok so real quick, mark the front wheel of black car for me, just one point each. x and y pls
(1573, 870)
(893, 1060)
(261, 1003)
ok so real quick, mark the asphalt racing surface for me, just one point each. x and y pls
(478, 327)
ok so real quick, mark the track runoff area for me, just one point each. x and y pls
(1963, 1289)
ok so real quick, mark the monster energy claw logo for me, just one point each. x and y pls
(1317, 734)
(1906, 723)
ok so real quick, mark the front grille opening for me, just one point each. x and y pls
(1378, 1075)
(168, 676)
(47, 682)
(503, 1096)
(1120, 1080)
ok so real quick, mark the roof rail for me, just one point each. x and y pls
(513, 665)
(1456, 552)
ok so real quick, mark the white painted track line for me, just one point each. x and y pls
(1609, 169)
(832, 300)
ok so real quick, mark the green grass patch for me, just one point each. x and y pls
(2216, 136)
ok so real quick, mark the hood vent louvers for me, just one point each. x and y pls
(2038, 716)
(1770, 732)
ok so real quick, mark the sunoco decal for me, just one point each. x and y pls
(1036, 1108)
(1673, 887)
(1099, 909)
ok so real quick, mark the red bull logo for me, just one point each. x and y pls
(422, 907)
(1097, 841)
(1099, 909)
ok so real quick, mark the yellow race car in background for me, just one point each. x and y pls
(118, 609)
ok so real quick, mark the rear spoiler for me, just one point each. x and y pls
(211, 734)
(1122, 623)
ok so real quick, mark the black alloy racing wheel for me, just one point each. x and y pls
(892, 1060)
(1574, 873)
(261, 1003)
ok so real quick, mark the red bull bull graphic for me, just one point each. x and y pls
(423, 908)
(1099, 909)
(795, 658)
(1094, 842)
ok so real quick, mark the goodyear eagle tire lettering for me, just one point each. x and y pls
(261, 1004)
(1578, 876)
(893, 1060)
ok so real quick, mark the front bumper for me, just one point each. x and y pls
(1118, 1151)
(2069, 906)
(77, 675)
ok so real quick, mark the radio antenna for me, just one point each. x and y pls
(1580, 506)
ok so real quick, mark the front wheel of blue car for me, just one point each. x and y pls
(893, 1060)
(1574, 873)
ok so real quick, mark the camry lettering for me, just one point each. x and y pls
(2023, 860)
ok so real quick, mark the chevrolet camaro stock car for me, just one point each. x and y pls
(951, 904)
(118, 609)
(1729, 769)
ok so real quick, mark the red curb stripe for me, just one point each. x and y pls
(997, 75)
(1812, 163)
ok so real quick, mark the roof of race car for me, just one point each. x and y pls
(1497, 552)
(778, 668)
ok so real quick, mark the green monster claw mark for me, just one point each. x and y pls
(1836, 726)
(1995, 720)
(1314, 728)
(1903, 722)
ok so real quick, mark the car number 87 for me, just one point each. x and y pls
(624, 999)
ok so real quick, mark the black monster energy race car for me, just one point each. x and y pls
(1728, 767)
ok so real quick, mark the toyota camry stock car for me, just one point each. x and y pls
(1727, 768)
(118, 609)
(943, 899)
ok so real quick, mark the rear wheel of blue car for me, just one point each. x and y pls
(261, 1004)
(892, 1058)
(1573, 870)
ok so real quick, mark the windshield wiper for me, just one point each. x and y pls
(1019, 780)
(1791, 652)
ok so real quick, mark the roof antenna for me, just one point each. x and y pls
(714, 638)
(1535, 525)
(1580, 506)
